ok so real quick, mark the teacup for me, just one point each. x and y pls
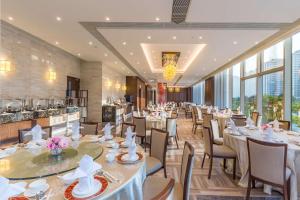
(110, 157)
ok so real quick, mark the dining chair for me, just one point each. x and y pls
(199, 113)
(216, 151)
(171, 124)
(140, 129)
(204, 110)
(239, 121)
(215, 128)
(196, 122)
(156, 187)
(124, 127)
(158, 149)
(188, 111)
(285, 125)
(268, 164)
(89, 128)
(206, 119)
(254, 117)
(23, 138)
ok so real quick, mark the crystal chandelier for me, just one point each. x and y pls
(169, 72)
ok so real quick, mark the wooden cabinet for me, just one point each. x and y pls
(136, 91)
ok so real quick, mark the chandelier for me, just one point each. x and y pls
(169, 72)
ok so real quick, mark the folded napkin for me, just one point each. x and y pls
(75, 130)
(129, 136)
(107, 131)
(233, 126)
(8, 190)
(132, 149)
(85, 173)
(36, 132)
(276, 124)
(249, 122)
(269, 133)
(8, 151)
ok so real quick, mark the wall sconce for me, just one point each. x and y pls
(52, 75)
(124, 88)
(118, 86)
(5, 66)
(170, 89)
(177, 89)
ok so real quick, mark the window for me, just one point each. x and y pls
(272, 104)
(296, 82)
(251, 66)
(273, 56)
(222, 89)
(250, 96)
(236, 96)
(198, 93)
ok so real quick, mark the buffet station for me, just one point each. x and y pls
(16, 114)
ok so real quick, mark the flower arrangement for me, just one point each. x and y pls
(56, 144)
(265, 127)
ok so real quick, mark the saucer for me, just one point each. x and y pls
(68, 194)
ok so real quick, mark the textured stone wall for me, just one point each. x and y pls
(31, 60)
(91, 80)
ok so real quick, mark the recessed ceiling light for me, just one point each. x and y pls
(256, 42)
(229, 59)
(215, 59)
(116, 62)
(78, 54)
(174, 37)
(149, 37)
(90, 43)
(124, 43)
(107, 18)
(235, 42)
(57, 43)
(105, 54)
(131, 53)
(138, 62)
(157, 19)
(10, 18)
(144, 72)
(58, 19)
(200, 37)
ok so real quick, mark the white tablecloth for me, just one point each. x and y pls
(239, 144)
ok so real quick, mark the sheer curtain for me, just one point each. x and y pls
(222, 89)
(198, 93)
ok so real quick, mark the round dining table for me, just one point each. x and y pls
(32, 164)
(155, 122)
(238, 142)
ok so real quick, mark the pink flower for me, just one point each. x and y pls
(57, 142)
(265, 126)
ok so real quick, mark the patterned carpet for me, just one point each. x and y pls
(221, 186)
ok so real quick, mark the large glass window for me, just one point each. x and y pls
(273, 56)
(272, 104)
(236, 96)
(296, 82)
(250, 96)
(250, 66)
(198, 93)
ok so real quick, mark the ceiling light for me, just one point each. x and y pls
(10, 18)
(200, 37)
(235, 42)
(131, 53)
(256, 42)
(229, 59)
(138, 62)
(58, 19)
(78, 54)
(174, 37)
(215, 59)
(57, 43)
(105, 54)
(144, 72)
(157, 19)
(149, 37)
(116, 62)
(107, 18)
(90, 43)
(124, 43)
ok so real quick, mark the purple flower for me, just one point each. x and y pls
(57, 142)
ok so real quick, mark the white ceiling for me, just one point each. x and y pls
(39, 18)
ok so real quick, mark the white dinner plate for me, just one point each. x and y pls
(126, 158)
(78, 194)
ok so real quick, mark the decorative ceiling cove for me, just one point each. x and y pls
(179, 10)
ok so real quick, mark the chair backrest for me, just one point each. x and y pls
(140, 126)
(158, 144)
(239, 121)
(26, 138)
(254, 117)
(193, 115)
(267, 161)
(215, 128)
(206, 119)
(124, 127)
(89, 128)
(285, 125)
(171, 126)
(204, 110)
(207, 139)
(186, 169)
(199, 113)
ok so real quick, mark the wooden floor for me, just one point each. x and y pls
(221, 185)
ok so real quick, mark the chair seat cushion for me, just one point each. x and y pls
(157, 187)
(223, 151)
(218, 141)
(152, 165)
